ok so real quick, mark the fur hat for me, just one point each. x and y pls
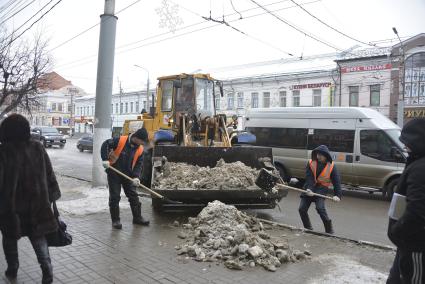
(15, 128)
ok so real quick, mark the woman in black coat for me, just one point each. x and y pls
(27, 187)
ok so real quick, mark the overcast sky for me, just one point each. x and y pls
(200, 44)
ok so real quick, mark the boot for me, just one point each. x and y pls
(328, 226)
(12, 263)
(47, 273)
(306, 222)
(137, 215)
(115, 217)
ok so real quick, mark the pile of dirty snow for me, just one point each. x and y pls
(224, 234)
(224, 175)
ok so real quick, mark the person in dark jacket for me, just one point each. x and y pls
(28, 186)
(126, 155)
(321, 173)
(408, 232)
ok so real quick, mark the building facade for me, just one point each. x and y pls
(313, 88)
(365, 82)
(408, 79)
(124, 106)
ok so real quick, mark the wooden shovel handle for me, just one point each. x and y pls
(303, 191)
(139, 185)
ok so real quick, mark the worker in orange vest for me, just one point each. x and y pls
(321, 173)
(126, 155)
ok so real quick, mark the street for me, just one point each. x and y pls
(358, 216)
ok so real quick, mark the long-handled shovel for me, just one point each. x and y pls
(266, 180)
(145, 187)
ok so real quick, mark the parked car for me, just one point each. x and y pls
(85, 143)
(49, 136)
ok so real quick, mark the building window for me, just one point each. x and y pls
(240, 100)
(266, 99)
(354, 96)
(92, 110)
(116, 108)
(217, 102)
(137, 107)
(126, 107)
(414, 77)
(317, 97)
(282, 98)
(230, 101)
(60, 107)
(112, 108)
(131, 107)
(121, 108)
(375, 95)
(254, 100)
(53, 106)
(69, 107)
(296, 98)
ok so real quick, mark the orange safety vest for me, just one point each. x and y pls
(325, 176)
(120, 147)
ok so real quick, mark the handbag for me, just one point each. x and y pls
(60, 237)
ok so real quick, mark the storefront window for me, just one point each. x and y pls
(414, 79)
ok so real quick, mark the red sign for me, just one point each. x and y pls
(366, 68)
(311, 86)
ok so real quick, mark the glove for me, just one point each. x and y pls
(136, 181)
(309, 192)
(105, 164)
(336, 199)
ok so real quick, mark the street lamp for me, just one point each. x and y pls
(147, 87)
(400, 106)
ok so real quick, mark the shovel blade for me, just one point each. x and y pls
(266, 180)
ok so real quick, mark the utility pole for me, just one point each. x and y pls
(400, 105)
(105, 72)
(72, 92)
(147, 87)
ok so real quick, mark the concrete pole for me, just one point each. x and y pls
(105, 73)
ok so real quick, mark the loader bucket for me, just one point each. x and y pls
(209, 156)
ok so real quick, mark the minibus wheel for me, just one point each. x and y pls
(390, 189)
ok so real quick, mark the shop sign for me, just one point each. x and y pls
(310, 86)
(366, 68)
(414, 113)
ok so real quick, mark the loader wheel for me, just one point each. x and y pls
(157, 205)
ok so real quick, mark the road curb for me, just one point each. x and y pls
(358, 242)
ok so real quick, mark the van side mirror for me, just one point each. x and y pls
(396, 154)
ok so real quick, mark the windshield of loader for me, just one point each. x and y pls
(185, 96)
(204, 94)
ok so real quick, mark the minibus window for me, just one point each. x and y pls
(292, 138)
(377, 144)
(337, 140)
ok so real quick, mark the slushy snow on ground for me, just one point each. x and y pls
(344, 270)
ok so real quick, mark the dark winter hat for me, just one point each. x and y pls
(141, 133)
(413, 135)
(14, 128)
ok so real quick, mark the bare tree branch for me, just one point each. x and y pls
(22, 67)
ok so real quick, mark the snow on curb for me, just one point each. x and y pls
(95, 200)
(344, 270)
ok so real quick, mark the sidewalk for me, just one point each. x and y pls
(136, 254)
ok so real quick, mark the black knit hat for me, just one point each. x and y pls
(15, 128)
(413, 136)
(142, 134)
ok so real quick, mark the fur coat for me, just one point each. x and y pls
(27, 187)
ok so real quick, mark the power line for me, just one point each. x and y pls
(332, 28)
(86, 30)
(296, 28)
(88, 59)
(18, 11)
(45, 13)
